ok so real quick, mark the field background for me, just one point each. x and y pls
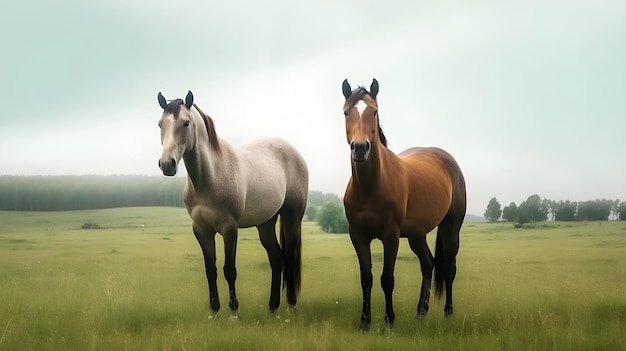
(138, 284)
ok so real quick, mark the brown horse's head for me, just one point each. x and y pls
(362, 125)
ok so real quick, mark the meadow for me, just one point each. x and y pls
(138, 283)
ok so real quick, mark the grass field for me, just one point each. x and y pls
(138, 284)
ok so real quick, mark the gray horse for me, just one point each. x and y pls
(237, 187)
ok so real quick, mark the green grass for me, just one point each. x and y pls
(139, 284)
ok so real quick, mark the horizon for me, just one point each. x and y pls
(528, 97)
(182, 179)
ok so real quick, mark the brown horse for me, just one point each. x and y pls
(406, 195)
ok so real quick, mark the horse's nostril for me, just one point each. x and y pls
(167, 165)
(360, 146)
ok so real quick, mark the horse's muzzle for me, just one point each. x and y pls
(168, 167)
(360, 150)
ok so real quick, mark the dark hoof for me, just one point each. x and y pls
(365, 327)
(273, 306)
(389, 321)
(234, 306)
(448, 311)
(215, 306)
(422, 309)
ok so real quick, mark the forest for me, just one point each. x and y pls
(63, 193)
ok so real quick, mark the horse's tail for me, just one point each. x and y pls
(439, 261)
(292, 257)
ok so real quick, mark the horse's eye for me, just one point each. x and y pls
(345, 113)
(186, 124)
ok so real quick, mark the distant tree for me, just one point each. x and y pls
(622, 211)
(548, 206)
(615, 209)
(597, 210)
(565, 211)
(331, 217)
(311, 212)
(316, 200)
(531, 210)
(319, 198)
(509, 213)
(493, 211)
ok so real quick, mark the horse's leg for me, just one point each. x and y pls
(450, 241)
(267, 234)
(387, 281)
(291, 242)
(420, 248)
(451, 250)
(364, 254)
(230, 270)
(206, 239)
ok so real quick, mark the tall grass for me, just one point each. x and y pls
(139, 284)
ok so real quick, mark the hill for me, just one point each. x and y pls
(474, 218)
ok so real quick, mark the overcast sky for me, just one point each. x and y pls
(528, 96)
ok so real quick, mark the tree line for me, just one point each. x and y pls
(64, 193)
(536, 209)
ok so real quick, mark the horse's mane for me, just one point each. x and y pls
(174, 108)
(210, 129)
(355, 97)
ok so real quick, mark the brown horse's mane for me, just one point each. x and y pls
(174, 108)
(355, 97)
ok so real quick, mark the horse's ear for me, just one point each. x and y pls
(162, 101)
(189, 100)
(345, 87)
(374, 88)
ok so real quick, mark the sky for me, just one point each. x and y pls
(528, 96)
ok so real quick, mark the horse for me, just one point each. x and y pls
(237, 187)
(406, 195)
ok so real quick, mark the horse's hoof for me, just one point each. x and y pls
(389, 322)
(365, 327)
(274, 306)
(215, 306)
(448, 312)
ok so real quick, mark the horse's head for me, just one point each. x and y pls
(177, 132)
(362, 125)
